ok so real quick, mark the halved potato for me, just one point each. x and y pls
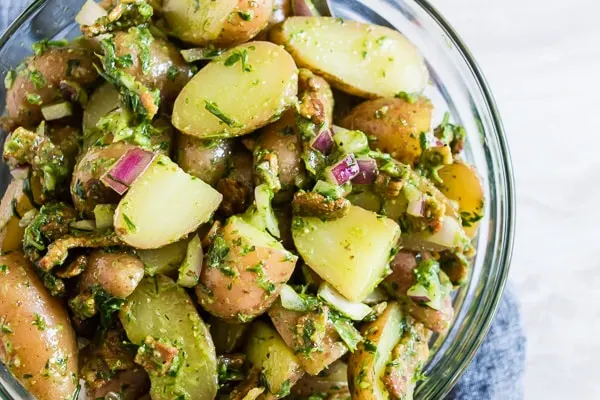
(351, 252)
(366, 366)
(163, 205)
(15, 204)
(361, 59)
(462, 184)
(395, 124)
(276, 361)
(244, 89)
(36, 337)
(160, 309)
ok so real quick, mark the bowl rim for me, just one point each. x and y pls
(508, 235)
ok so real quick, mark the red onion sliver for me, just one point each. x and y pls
(415, 207)
(323, 143)
(344, 170)
(368, 171)
(419, 294)
(127, 169)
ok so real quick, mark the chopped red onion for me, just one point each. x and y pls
(323, 142)
(127, 169)
(367, 171)
(20, 172)
(419, 294)
(344, 170)
(415, 207)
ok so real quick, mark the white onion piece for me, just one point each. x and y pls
(451, 235)
(415, 207)
(291, 300)
(352, 310)
(89, 13)
(419, 294)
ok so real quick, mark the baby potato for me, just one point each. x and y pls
(282, 139)
(208, 160)
(37, 340)
(15, 203)
(222, 23)
(243, 272)
(86, 188)
(361, 59)
(243, 90)
(245, 22)
(395, 124)
(462, 184)
(42, 77)
(167, 71)
(118, 273)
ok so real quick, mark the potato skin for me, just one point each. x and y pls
(238, 296)
(208, 160)
(53, 64)
(394, 123)
(239, 30)
(86, 188)
(118, 273)
(32, 344)
(164, 56)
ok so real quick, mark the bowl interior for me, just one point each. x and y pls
(456, 85)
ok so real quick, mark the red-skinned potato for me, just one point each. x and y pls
(37, 340)
(243, 272)
(245, 21)
(205, 159)
(118, 273)
(394, 123)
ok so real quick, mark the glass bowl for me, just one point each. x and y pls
(457, 85)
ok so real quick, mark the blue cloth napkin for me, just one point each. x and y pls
(496, 372)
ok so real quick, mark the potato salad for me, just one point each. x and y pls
(228, 199)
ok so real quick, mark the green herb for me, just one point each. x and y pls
(262, 281)
(107, 305)
(124, 61)
(144, 40)
(9, 79)
(3, 268)
(369, 346)
(239, 56)
(410, 98)
(246, 15)
(5, 328)
(130, 225)
(71, 64)
(196, 5)
(284, 389)
(29, 376)
(348, 333)
(40, 47)
(172, 73)
(39, 322)
(380, 41)
(33, 98)
(37, 78)
(469, 219)
(213, 108)
(80, 191)
(423, 141)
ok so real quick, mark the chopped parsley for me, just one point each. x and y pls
(33, 98)
(246, 15)
(39, 322)
(213, 108)
(37, 78)
(4, 268)
(130, 225)
(408, 97)
(262, 281)
(172, 73)
(469, 219)
(239, 56)
(284, 389)
(5, 328)
(40, 47)
(9, 79)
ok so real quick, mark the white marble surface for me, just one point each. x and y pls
(542, 60)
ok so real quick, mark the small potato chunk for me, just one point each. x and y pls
(159, 309)
(223, 22)
(15, 203)
(268, 353)
(364, 60)
(367, 365)
(395, 124)
(103, 100)
(243, 90)
(165, 259)
(42, 78)
(462, 184)
(208, 160)
(163, 205)
(286, 321)
(37, 340)
(117, 273)
(351, 253)
(243, 272)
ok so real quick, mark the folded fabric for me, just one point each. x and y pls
(496, 372)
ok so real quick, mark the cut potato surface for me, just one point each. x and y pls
(243, 90)
(163, 205)
(351, 253)
(364, 60)
(15, 203)
(161, 309)
(461, 183)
